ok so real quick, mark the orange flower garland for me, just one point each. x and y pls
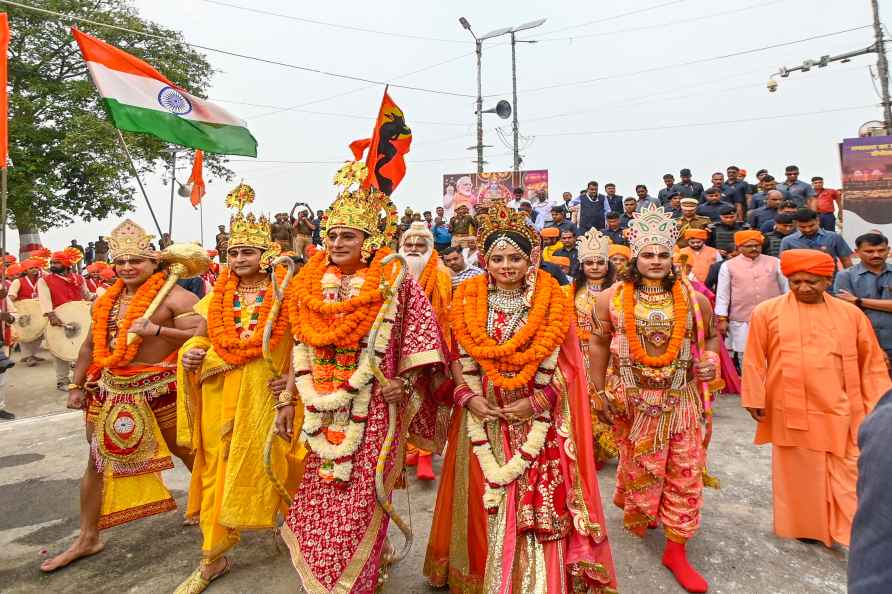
(318, 323)
(221, 324)
(679, 327)
(546, 327)
(123, 353)
(428, 280)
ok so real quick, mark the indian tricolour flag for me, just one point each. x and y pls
(141, 99)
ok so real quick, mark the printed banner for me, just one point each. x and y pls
(866, 185)
(471, 188)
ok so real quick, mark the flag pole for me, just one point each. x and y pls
(201, 220)
(135, 176)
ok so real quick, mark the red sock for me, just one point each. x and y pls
(676, 560)
(425, 469)
(412, 459)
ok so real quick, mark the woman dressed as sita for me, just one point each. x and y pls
(518, 510)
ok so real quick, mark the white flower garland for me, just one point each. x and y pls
(498, 476)
(337, 459)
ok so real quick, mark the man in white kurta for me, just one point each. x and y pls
(745, 281)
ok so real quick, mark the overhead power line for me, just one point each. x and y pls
(704, 124)
(615, 17)
(664, 25)
(329, 24)
(74, 18)
(692, 62)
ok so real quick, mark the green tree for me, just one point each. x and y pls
(67, 163)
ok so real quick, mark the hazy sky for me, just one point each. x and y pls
(604, 95)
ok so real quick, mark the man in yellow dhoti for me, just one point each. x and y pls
(227, 404)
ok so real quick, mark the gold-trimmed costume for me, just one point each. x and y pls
(225, 413)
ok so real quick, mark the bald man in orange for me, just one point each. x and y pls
(700, 255)
(812, 371)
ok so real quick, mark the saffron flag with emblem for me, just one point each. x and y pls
(141, 99)
(388, 145)
(196, 180)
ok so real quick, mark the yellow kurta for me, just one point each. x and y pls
(225, 414)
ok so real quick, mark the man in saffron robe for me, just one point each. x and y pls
(425, 266)
(336, 529)
(700, 255)
(225, 406)
(128, 394)
(812, 371)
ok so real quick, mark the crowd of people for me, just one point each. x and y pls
(531, 344)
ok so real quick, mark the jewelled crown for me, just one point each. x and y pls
(500, 219)
(367, 210)
(246, 229)
(129, 239)
(593, 244)
(652, 226)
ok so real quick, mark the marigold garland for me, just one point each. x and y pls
(679, 327)
(123, 353)
(428, 279)
(548, 322)
(317, 322)
(222, 332)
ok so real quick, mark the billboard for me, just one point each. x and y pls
(471, 188)
(866, 185)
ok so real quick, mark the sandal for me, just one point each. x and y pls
(197, 583)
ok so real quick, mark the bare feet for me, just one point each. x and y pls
(190, 521)
(79, 549)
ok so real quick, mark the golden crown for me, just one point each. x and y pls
(499, 219)
(129, 239)
(246, 229)
(367, 210)
(652, 226)
(593, 244)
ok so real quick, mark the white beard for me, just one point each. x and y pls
(416, 262)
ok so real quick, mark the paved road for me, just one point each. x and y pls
(41, 460)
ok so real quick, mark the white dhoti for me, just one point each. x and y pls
(737, 333)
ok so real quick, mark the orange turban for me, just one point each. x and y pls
(696, 234)
(67, 257)
(560, 260)
(13, 270)
(551, 232)
(107, 273)
(810, 261)
(619, 250)
(96, 267)
(30, 263)
(213, 253)
(741, 237)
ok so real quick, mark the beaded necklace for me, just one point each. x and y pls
(237, 313)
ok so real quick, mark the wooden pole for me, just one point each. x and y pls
(135, 176)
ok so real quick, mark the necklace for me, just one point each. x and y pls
(237, 315)
(506, 309)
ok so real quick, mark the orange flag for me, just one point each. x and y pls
(4, 76)
(197, 179)
(388, 145)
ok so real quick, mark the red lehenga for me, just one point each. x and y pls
(548, 534)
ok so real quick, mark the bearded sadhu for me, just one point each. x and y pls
(427, 268)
